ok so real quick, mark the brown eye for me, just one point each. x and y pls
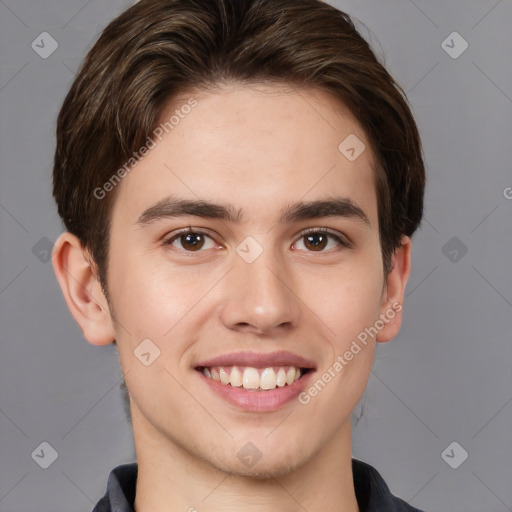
(189, 241)
(316, 240)
(192, 241)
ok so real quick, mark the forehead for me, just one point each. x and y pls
(256, 147)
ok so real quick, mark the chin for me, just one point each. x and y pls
(262, 472)
(264, 469)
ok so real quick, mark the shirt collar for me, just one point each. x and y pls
(372, 492)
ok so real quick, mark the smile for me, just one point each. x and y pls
(256, 382)
(255, 379)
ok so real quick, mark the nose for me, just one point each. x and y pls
(260, 297)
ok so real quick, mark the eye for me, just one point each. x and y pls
(317, 239)
(190, 241)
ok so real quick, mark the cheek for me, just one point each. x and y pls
(349, 309)
(157, 300)
(347, 299)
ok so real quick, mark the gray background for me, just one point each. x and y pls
(446, 378)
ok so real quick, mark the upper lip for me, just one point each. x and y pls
(254, 359)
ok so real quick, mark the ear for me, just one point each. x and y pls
(82, 290)
(393, 294)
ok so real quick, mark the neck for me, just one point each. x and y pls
(172, 479)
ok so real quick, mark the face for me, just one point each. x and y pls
(253, 283)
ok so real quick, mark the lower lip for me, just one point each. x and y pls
(257, 401)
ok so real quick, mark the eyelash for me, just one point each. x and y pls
(333, 234)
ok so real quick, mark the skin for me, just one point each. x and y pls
(258, 148)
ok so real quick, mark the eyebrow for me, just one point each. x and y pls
(173, 207)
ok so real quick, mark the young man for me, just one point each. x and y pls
(239, 181)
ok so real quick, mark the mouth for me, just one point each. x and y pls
(251, 378)
(256, 382)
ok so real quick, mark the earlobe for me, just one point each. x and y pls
(394, 291)
(82, 290)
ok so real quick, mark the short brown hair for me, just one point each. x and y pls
(157, 49)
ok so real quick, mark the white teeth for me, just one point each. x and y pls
(268, 379)
(281, 377)
(290, 376)
(252, 378)
(235, 378)
(224, 377)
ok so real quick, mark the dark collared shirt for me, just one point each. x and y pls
(372, 493)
